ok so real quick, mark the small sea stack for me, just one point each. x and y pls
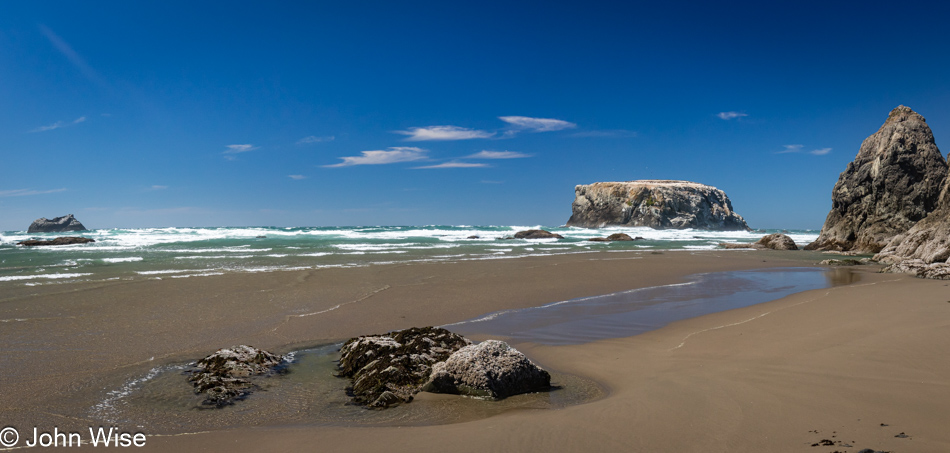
(56, 225)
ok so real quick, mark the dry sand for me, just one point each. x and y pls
(830, 364)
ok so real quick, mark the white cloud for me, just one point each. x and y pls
(59, 124)
(485, 181)
(418, 134)
(296, 177)
(157, 187)
(314, 139)
(800, 149)
(25, 192)
(497, 155)
(234, 149)
(378, 157)
(537, 124)
(454, 165)
(731, 115)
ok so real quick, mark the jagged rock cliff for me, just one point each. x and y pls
(893, 183)
(57, 225)
(658, 204)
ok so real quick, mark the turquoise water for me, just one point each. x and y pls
(194, 252)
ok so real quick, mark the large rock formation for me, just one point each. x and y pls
(57, 225)
(488, 369)
(777, 241)
(223, 377)
(389, 369)
(654, 203)
(893, 183)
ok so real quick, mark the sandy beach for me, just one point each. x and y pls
(856, 364)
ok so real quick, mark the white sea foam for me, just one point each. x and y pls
(128, 259)
(11, 278)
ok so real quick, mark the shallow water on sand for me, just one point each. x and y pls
(160, 400)
(629, 313)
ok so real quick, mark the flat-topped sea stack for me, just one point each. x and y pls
(893, 183)
(56, 225)
(660, 204)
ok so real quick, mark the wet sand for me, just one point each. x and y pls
(838, 361)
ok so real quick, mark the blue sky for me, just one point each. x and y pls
(138, 114)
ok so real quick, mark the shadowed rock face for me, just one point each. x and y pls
(389, 369)
(57, 225)
(894, 182)
(657, 204)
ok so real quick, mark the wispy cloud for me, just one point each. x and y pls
(158, 187)
(71, 55)
(235, 149)
(59, 124)
(497, 155)
(380, 157)
(731, 115)
(537, 124)
(485, 181)
(609, 133)
(454, 165)
(418, 134)
(25, 192)
(296, 177)
(314, 139)
(801, 149)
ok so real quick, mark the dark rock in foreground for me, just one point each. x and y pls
(657, 204)
(223, 376)
(58, 241)
(894, 182)
(777, 241)
(57, 225)
(537, 234)
(389, 369)
(616, 237)
(488, 369)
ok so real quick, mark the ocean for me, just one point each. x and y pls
(169, 253)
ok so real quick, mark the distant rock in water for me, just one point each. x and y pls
(388, 370)
(893, 183)
(777, 241)
(616, 237)
(488, 369)
(57, 225)
(657, 204)
(537, 234)
(58, 241)
(223, 376)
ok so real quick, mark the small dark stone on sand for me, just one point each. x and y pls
(902, 435)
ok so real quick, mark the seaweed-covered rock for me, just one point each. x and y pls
(389, 369)
(58, 241)
(921, 269)
(491, 368)
(222, 376)
(537, 234)
(844, 262)
(777, 241)
(616, 237)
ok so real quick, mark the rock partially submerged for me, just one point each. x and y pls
(56, 225)
(844, 262)
(223, 376)
(894, 182)
(777, 241)
(617, 237)
(489, 369)
(58, 241)
(537, 234)
(657, 204)
(389, 369)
